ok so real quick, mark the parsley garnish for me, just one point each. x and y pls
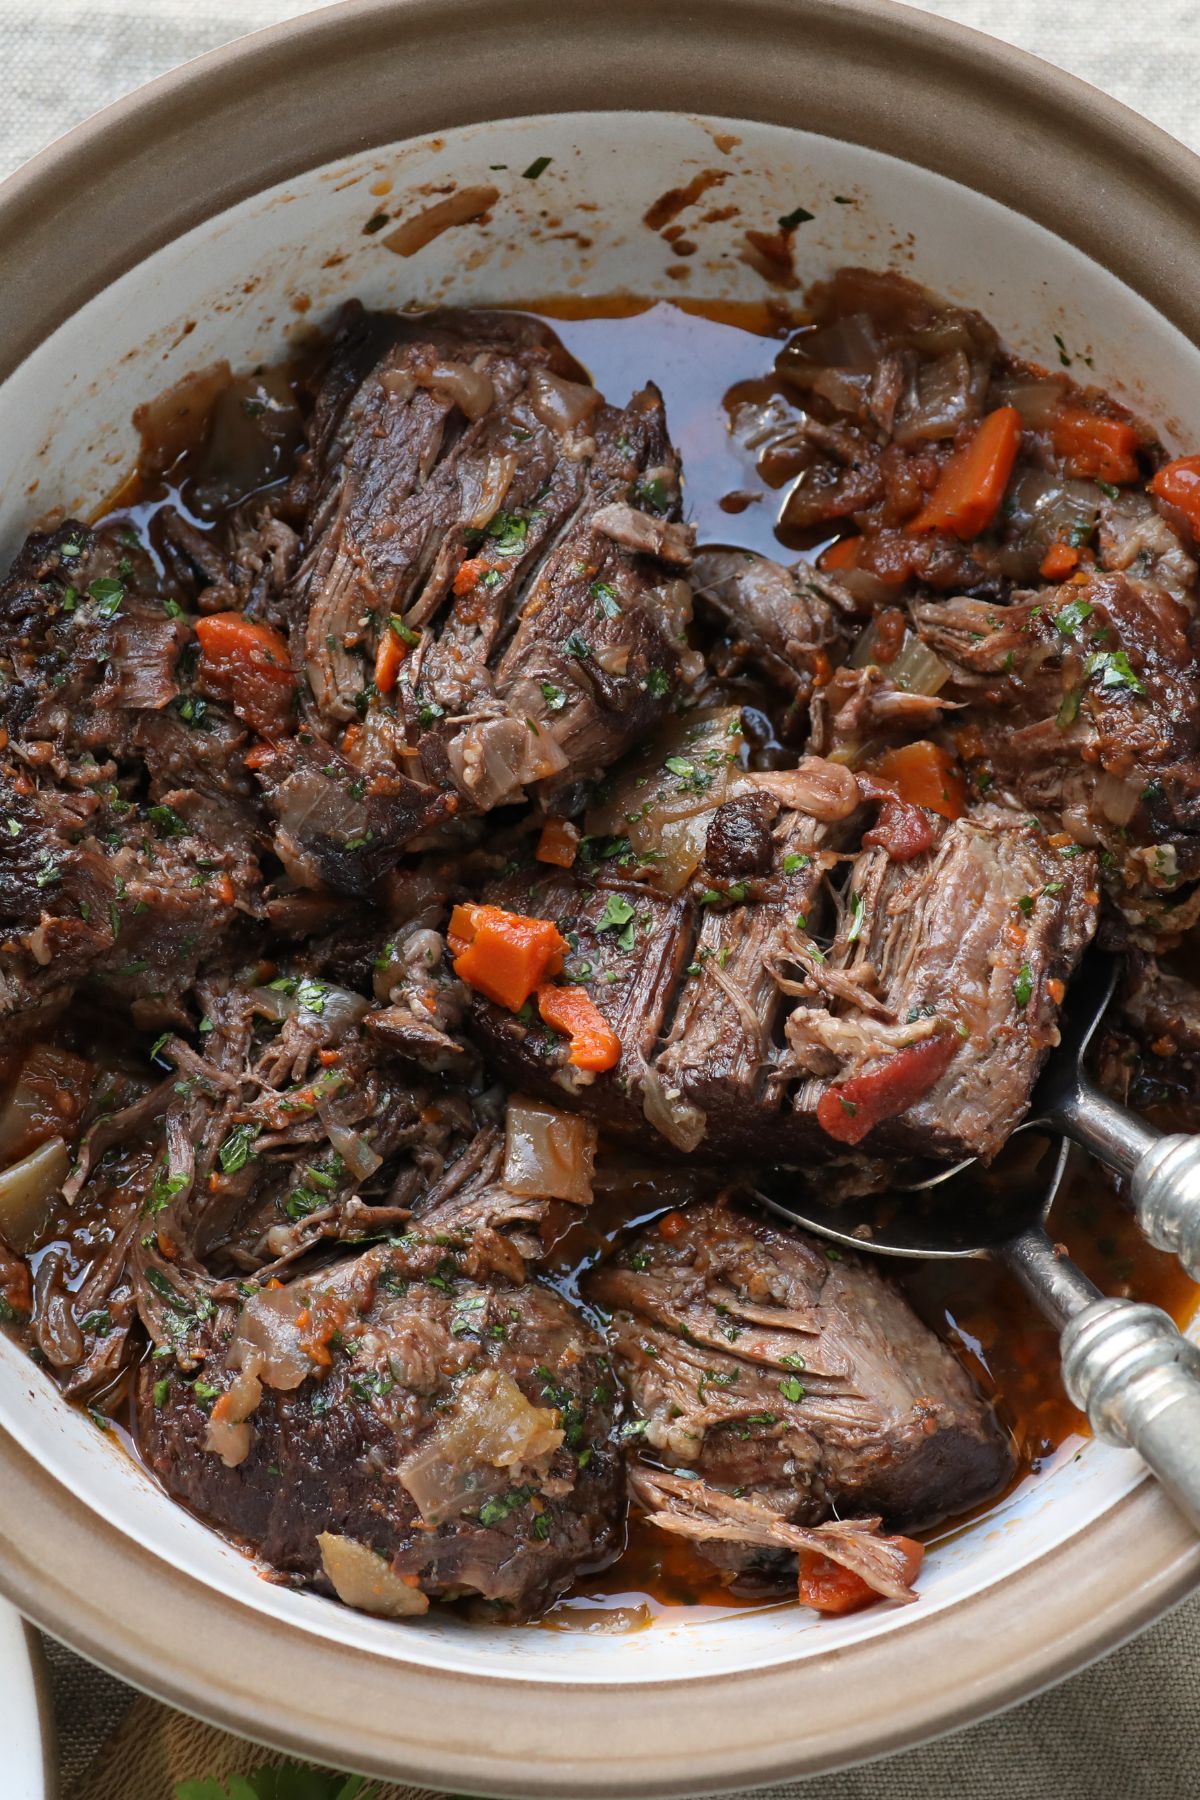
(1023, 986)
(238, 1148)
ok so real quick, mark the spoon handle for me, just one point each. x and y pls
(1163, 1171)
(1130, 1368)
(1125, 1364)
(1166, 1195)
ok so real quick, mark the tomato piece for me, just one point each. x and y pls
(249, 665)
(848, 1110)
(829, 1588)
(504, 955)
(594, 1044)
(902, 830)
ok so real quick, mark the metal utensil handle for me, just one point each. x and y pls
(1130, 1368)
(1166, 1196)
(1103, 1126)
(1163, 1171)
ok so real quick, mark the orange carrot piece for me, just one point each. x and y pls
(829, 1588)
(671, 1224)
(388, 658)
(1093, 446)
(469, 574)
(594, 1044)
(558, 844)
(843, 553)
(925, 775)
(248, 664)
(1178, 483)
(1059, 561)
(972, 484)
(503, 954)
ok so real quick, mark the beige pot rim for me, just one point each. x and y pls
(196, 142)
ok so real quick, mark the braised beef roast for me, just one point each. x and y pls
(778, 865)
(789, 1379)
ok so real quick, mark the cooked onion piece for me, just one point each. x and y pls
(548, 1155)
(27, 1193)
(363, 1580)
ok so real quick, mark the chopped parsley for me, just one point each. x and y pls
(1114, 670)
(1023, 986)
(167, 820)
(799, 215)
(238, 1148)
(792, 1390)
(858, 912)
(1072, 617)
(493, 1512)
(108, 595)
(537, 167)
(607, 604)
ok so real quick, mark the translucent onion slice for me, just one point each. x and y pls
(28, 1190)
(548, 1154)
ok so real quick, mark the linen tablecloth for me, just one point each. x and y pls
(1125, 1730)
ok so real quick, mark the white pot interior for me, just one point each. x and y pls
(238, 288)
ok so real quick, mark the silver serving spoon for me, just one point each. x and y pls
(1162, 1168)
(1126, 1364)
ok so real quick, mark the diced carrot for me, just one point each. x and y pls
(1059, 561)
(327, 1058)
(829, 1588)
(594, 1044)
(223, 888)
(1093, 446)
(469, 573)
(1178, 483)
(558, 844)
(671, 1224)
(248, 664)
(822, 668)
(843, 553)
(388, 657)
(503, 954)
(925, 775)
(972, 484)
(848, 1110)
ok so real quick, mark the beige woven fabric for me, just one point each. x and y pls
(1126, 1730)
